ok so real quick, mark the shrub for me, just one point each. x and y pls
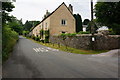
(41, 32)
(33, 37)
(46, 33)
(9, 39)
(62, 34)
(47, 39)
(42, 41)
(68, 34)
(81, 32)
(37, 38)
(111, 32)
(25, 33)
(71, 34)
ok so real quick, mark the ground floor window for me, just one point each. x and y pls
(63, 22)
(63, 32)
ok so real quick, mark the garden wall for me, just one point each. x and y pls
(84, 41)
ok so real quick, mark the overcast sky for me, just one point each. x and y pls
(35, 9)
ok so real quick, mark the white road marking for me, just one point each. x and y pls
(40, 50)
(44, 49)
(35, 50)
(52, 49)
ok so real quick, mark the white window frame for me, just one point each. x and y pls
(62, 22)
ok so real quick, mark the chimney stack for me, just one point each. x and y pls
(70, 8)
(47, 13)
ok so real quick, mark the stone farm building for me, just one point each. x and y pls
(59, 21)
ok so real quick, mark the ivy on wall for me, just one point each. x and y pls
(44, 34)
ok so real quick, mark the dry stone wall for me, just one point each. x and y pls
(102, 42)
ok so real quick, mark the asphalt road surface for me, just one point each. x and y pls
(32, 60)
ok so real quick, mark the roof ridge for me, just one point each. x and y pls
(53, 12)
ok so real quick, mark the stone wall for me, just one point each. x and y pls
(84, 41)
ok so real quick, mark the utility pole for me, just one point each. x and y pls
(92, 26)
(92, 23)
(91, 10)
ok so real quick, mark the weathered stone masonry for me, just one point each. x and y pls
(101, 42)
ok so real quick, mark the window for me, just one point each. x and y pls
(63, 22)
(63, 32)
(46, 25)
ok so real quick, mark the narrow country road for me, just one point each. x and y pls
(32, 60)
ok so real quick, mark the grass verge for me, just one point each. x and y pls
(69, 49)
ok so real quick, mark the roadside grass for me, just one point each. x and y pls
(69, 49)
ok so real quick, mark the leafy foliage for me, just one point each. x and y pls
(111, 32)
(6, 7)
(46, 36)
(92, 27)
(29, 25)
(81, 32)
(41, 33)
(78, 22)
(9, 36)
(68, 34)
(9, 39)
(25, 32)
(108, 13)
(16, 25)
(86, 22)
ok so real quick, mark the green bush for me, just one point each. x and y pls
(81, 32)
(62, 35)
(25, 33)
(47, 39)
(71, 34)
(9, 39)
(37, 38)
(111, 32)
(33, 37)
(68, 34)
(42, 41)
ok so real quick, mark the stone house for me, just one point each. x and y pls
(59, 21)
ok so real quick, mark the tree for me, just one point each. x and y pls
(30, 24)
(15, 26)
(27, 26)
(9, 36)
(86, 21)
(34, 23)
(92, 27)
(78, 22)
(108, 13)
(6, 7)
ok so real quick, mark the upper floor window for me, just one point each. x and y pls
(63, 22)
(46, 25)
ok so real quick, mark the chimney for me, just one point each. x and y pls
(47, 13)
(70, 8)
